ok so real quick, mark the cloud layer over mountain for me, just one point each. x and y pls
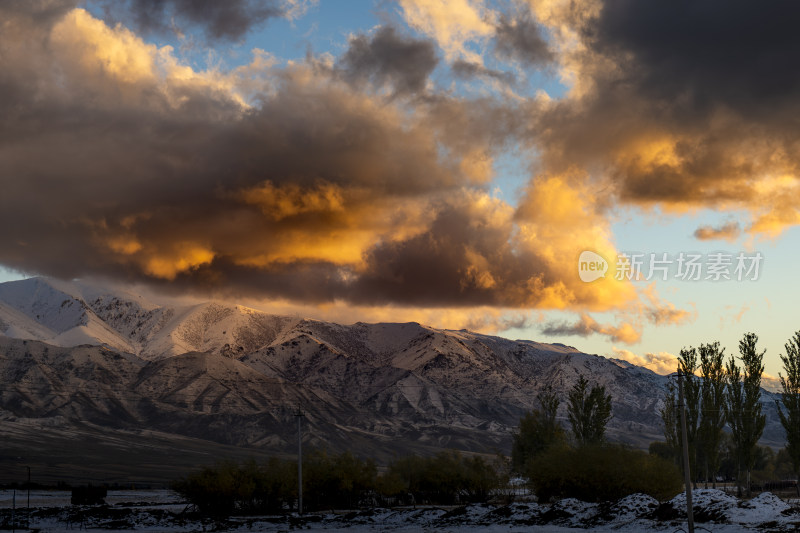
(364, 179)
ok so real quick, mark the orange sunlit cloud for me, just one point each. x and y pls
(660, 363)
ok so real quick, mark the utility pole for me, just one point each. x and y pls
(299, 416)
(686, 474)
(28, 512)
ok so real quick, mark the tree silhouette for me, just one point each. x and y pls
(744, 406)
(712, 414)
(538, 430)
(588, 412)
(687, 365)
(790, 398)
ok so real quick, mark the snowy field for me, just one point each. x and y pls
(164, 511)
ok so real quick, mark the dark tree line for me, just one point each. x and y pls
(341, 481)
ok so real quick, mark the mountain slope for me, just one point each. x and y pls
(239, 376)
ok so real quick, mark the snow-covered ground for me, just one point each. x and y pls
(163, 511)
(115, 498)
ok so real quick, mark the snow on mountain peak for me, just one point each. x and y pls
(42, 301)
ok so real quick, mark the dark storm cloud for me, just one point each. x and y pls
(704, 54)
(390, 58)
(193, 175)
(434, 268)
(442, 263)
(121, 162)
(116, 170)
(521, 38)
(682, 103)
(43, 11)
(218, 19)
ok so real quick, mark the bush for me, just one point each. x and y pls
(329, 481)
(665, 451)
(229, 488)
(336, 481)
(444, 479)
(602, 473)
(536, 434)
(213, 490)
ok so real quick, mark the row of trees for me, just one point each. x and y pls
(722, 393)
(719, 393)
(769, 466)
(341, 481)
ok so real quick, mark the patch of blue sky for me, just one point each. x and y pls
(6, 274)
(511, 175)
(323, 28)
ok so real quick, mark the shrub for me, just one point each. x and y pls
(665, 451)
(537, 432)
(213, 490)
(602, 473)
(336, 481)
(229, 488)
(446, 478)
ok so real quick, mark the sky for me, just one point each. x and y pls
(446, 162)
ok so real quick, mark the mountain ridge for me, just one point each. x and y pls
(238, 376)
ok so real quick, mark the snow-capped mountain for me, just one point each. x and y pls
(235, 375)
(74, 313)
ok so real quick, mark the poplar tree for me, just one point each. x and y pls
(589, 411)
(548, 403)
(744, 403)
(734, 409)
(712, 407)
(671, 419)
(790, 398)
(538, 430)
(687, 365)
